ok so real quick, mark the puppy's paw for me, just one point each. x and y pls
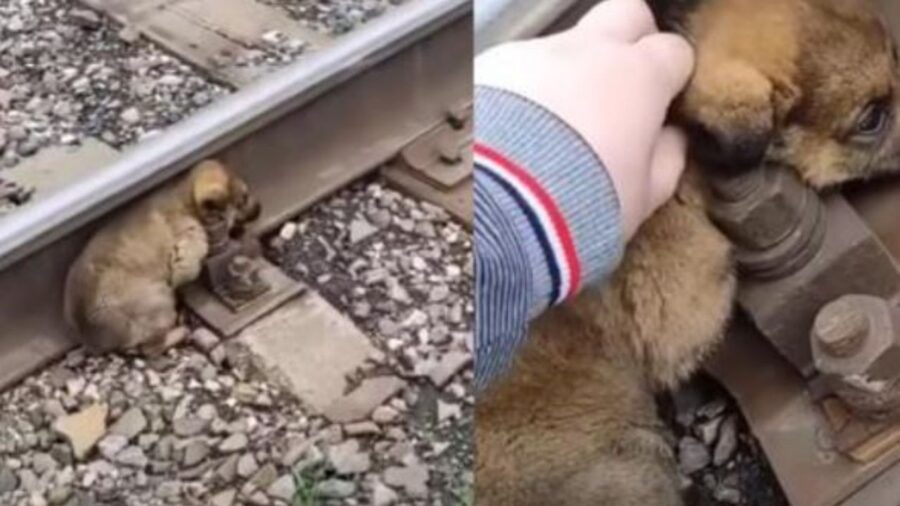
(732, 111)
(171, 339)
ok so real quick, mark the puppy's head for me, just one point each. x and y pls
(217, 194)
(811, 84)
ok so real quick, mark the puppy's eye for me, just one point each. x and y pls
(874, 118)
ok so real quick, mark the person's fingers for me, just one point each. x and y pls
(622, 20)
(667, 163)
(671, 59)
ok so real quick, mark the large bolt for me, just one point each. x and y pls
(217, 233)
(449, 149)
(240, 266)
(734, 188)
(856, 347)
(842, 327)
(775, 222)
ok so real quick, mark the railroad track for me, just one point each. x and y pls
(347, 106)
(342, 137)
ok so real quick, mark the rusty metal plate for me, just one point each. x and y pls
(218, 315)
(879, 206)
(443, 155)
(437, 166)
(792, 430)
(457, 201)
(851, 260)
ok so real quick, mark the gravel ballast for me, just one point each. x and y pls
(403, 271)
(201, 425)
(720, 461)
(67, 73)
(334, 17)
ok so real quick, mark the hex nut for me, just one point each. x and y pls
(767, 214)
(856, 345)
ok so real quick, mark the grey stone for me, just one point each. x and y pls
(132, 456)
(8, 480)
(264, 477)
(111, 445)
(360, 230)
(43, 463)
(164, 447)
(54, 408)
(234, 443)
(346, 458)
(169, 489)
(295, 451)
(358, 404)
(207, 412)
(37, 499)
(727, 444)
(727, 495)
(224, 498)
(335, 489)
(692, 455)
(449, 366)
(85, 18)
(195, 453)
(283, 488)
(258, 499)
(228, 469)
(59, 495)
(382, 495)
(246, 465)
(189, 426)
(712, 409)
(29, 481)
(708, 430)
(361, 429)
(385, 414)
(413, 478)
(131, 116)
(130, 424)
(447, 411)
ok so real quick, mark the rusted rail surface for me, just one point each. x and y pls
(296, 136)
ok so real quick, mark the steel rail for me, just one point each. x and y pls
(296, 136)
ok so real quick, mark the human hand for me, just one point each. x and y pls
(611, 78)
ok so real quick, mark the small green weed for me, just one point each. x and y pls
(305, 488)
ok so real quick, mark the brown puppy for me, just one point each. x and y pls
(811, 84)
(120, 292)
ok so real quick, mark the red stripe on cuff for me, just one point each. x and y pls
(561, 227)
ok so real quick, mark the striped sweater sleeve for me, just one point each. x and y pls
(547, 221)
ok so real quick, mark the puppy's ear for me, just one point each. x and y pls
(210, 187)
(731, 111)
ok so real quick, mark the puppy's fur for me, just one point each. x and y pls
(810, 84)
(120, 292)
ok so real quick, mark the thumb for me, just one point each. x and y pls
(667, 163)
